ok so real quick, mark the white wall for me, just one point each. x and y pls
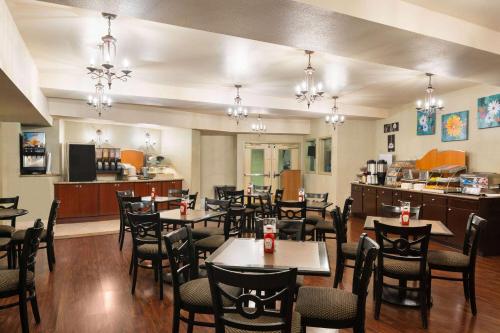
(218, 162)
(176, 146)
(481, 147)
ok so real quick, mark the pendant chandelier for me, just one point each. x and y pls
(334, 118)
(430, 105)
(308, 91)
(105, 69)
(237, 112)
(99, 101)
(259, 127)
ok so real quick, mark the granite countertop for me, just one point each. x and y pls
(119, 181)
(454, 195)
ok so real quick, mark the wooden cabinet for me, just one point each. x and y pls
(108, 205)
(384, 196)
(415, 199)
(370, 201)
(357, 196)
(396, 197)
(457, 216)
(77, 200)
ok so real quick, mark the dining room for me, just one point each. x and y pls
(213, 166)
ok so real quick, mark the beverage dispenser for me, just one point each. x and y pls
(381, 171)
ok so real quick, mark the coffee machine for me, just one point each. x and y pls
(371, 172)
(381, 171)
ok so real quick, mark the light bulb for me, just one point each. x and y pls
(297, 89)
(313, 90)
(327, 118)
(90, 99)
(125, 63)
(419, 104)
(440, 103)
(109, 101)
(245, 112)
(320, 86)
(92, 62)
(304, 86)
(229, 111)
(342, 119)
(433, 101)
(335, 118)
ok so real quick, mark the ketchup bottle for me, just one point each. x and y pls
(268, 239)
(183, 207)
(405, 213)
(153, 194)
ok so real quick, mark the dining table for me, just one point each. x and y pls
(247, 255)
(391, 295)
(160, 199)
(9, 214)
(192, 216)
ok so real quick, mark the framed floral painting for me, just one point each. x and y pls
(455, 126)
(426, 124)
(488, 111)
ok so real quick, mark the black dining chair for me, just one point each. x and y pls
(295, 210)
(11, 202)
(325, 228)
(219, 190)
(176, 193)
(47, 236)
(124, 225)
(251, 311)
(262, 188)
(278, 196)
(317, 197)
(403, 257)
(237, 199)
(212, 205)
(147, 244)
(345, 250)
(265, 206)
(21, 282)
(456, 262)
(337, 308)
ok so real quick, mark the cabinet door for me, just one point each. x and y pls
(357, 196)
(142, 189)
(68, 195)
(415, 199)
(384, 196)
(396, 198)
(457, 222)
(88, 197)
(177, 184)
(108, 204)
(370, 201)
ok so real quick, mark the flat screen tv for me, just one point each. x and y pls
(81, 163)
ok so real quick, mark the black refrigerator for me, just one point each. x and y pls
(81, 163)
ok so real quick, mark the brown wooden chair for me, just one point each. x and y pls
(212, 205)
(46, 237)
(465, 262)
(12, 202)
(403, 259)
(123, 215)
(238, 316)
(21, 282)
(326, 227)
(147, 244)
(336, 308)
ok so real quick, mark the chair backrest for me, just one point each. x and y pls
(265, 200)
(27, 260)
(138, 207)
(262, 188)
(292, 225)
(471, 241)
(215, 205)
(11, 202)
(278, 195)
(346, 212)
(173, 192)
(182, 258)
(320, 197)
(192, 200)
(395, 211)
(234, 222)
(146, 228)
(365, 256)
(340, 227)
(411, 245)
(291, 210)
(236, 197)
(52, 218)
(219, 190)
(278, 286)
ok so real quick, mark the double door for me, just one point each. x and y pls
(265, 162)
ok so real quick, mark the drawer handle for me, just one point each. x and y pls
(449, 209)
(433, 199)
(423, 205)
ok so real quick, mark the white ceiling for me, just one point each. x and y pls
(62, 41)
(485, 13)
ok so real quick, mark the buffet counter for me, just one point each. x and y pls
(451, 209)
(96, 200)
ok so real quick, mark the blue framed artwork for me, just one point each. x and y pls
(488, 111)
(426, 124)
(455, 126)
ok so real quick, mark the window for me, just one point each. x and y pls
(326, 155)
(311, 156)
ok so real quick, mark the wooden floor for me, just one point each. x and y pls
(89, 291)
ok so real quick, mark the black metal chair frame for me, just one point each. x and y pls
(341, 234)
(471, 242)
(321, 235)
(219, 191)
(278, 286)
(265, 208)
(173, 192)
(123, 216)
(411, 246)
(27, 263)
(237, 199)
(216, 205)
(318, 197)
(366, 255)
(294, 210)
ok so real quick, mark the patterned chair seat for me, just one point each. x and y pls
(203, 232)
(210, 243)
(402, 268)
(447, 259)
(4, 241)
(151, 250)
(261, 320)
(6, 230)
(315, 219)
(196, 293)
(325, 226)
(9, 279)
(349, 250)
(309, 229)
(323, 303)
(18, 235)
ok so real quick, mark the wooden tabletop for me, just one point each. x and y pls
(192, 215)
(159, 199)
(438, 228)
(8, 213)
(247, 254)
